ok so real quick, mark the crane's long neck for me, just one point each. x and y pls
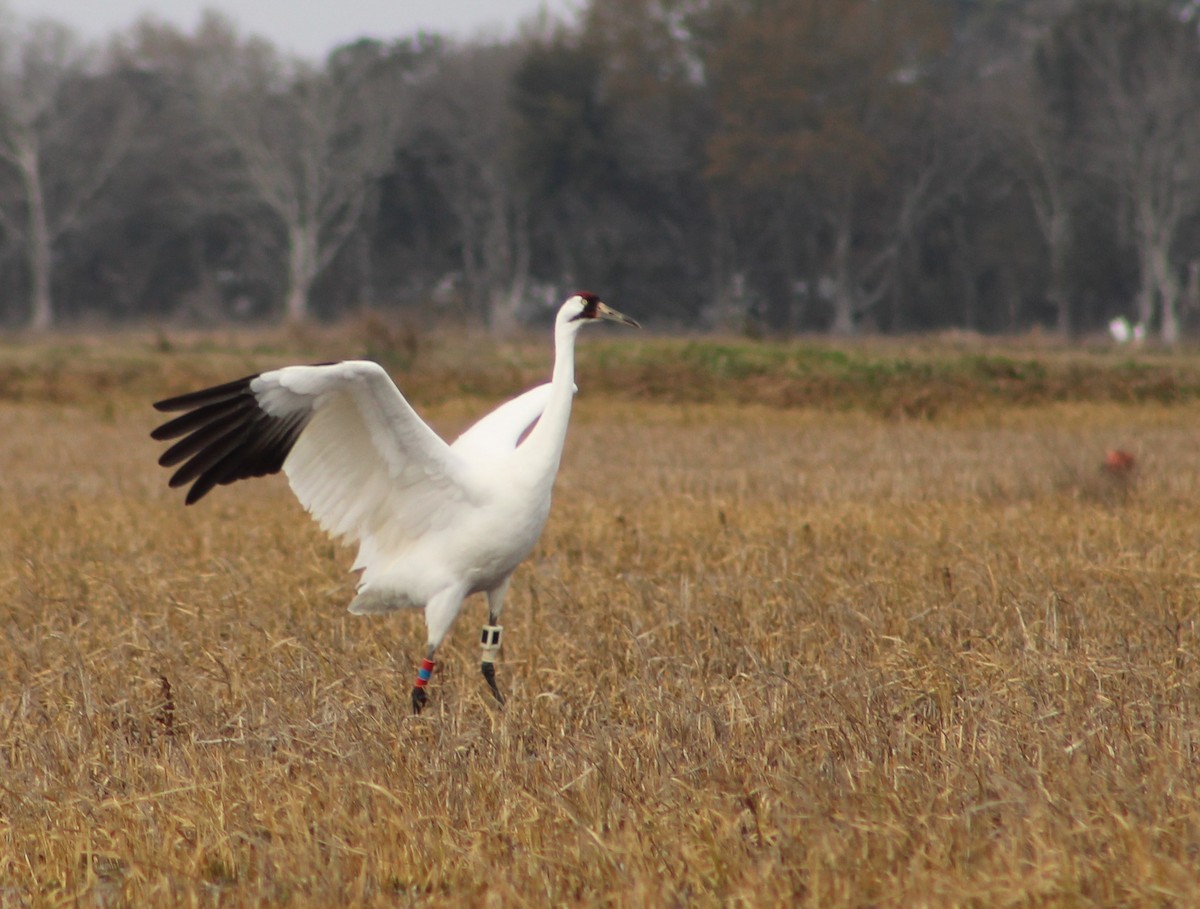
(545, 443)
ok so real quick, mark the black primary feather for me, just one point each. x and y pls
(217, 393)
(224, 436)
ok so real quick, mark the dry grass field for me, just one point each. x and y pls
(793, 637)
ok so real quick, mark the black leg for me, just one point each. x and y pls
(489, 674)
(419, 698)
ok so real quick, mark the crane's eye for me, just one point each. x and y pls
(591, 304)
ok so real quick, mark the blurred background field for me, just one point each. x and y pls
(812, 624)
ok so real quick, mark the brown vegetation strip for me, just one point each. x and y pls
(891, 378)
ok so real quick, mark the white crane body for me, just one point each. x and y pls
(434, 523)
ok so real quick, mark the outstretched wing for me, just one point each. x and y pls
(355, 452)
(504, 428)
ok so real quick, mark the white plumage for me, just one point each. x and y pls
(433, 522)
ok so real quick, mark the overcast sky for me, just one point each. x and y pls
(306, 27)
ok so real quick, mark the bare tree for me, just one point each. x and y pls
(467, 134)
(172, 187)
(811, 95)
(298, 146)
(1143, 69)
(63, 132)
(1046, 165)
(308, 144)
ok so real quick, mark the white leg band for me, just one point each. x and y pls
(491, 642)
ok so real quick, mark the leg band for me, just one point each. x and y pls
(424, 673)
(491, 642)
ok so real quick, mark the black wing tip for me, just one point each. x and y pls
(196, 493)
(211, 395)
(223, 436)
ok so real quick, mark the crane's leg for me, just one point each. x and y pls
(419, 697)
(440, 613)
(491, 636)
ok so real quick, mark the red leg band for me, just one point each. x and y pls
(424, 673)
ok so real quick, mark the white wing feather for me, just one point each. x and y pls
(366, 466)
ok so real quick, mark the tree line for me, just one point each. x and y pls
(763, 166)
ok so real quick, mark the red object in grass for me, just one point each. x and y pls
(1118, 462)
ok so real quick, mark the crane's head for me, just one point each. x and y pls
(586, 306)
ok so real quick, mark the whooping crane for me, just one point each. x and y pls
(434, 523)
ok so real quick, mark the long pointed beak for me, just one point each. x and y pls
(604, 311)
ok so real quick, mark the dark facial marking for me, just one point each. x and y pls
(590, 302)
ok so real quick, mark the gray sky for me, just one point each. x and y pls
(306, 27)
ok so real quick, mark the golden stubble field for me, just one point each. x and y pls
(762, 657)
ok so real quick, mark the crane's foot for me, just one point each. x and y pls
(419, 699)
(489, 675)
